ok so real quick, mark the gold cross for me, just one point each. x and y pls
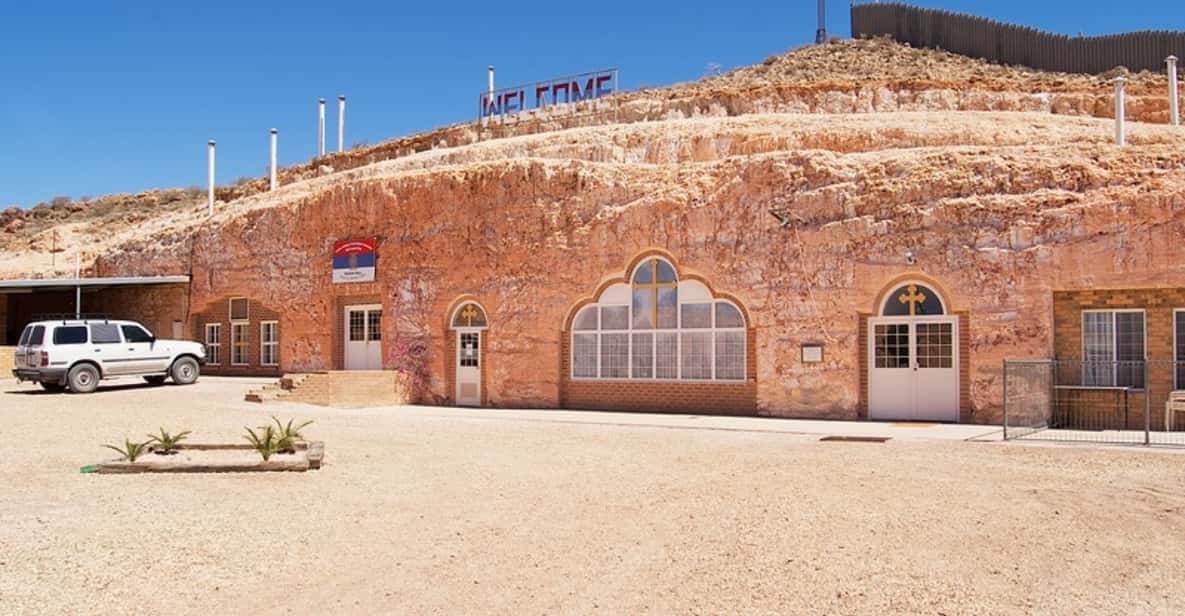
(469, 313)
(913, 298)
(654, 285)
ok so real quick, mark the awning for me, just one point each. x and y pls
(65, 284)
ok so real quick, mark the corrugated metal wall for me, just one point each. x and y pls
(978, 37)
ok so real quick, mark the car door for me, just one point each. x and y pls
(107, 348)
(146, 356)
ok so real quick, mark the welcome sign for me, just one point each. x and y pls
(571, 89)
(353, 260)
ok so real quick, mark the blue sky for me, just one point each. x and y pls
(102, 97)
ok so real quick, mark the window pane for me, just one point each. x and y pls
(1129, 351)
(696, 316)
(615, 355)
(934, 345)
(104, 333)
(730, 355)
(584, 355)
(37, 337)
(238, 308)
(25, 336)
(132, 333)
(586, 320)
(1098, 352)
(666, 273)
(1179, 332)
(924, 301)
(643, 309)
(470, 316)
(69, 335)
(668, 306)
(615, 317)
(728, 315)
(645, 272)
(642, 365)
(357, 326)
(667, 356)
(374, 320)
(696, 355)
(891, 345)
(470, 343)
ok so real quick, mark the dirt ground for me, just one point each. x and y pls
(435, 511)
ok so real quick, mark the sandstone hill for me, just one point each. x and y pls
(738, 114)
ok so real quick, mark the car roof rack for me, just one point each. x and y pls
(72, 316)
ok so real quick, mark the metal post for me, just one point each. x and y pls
(341, 123)
(1147, 402)
(1174, 105)
(210, 179)
(77, 285)
(821, 33)
(1120, 132)
(272, 163)
(1005, 399)
(320, 127)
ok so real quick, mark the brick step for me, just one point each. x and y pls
(337, 388)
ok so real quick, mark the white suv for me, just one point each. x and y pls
(76, 353)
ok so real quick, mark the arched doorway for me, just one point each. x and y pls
(913, 356)
(468, 324)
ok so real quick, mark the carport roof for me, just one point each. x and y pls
(19, 286)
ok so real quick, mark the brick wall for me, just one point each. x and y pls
(219, 312)
(708, 398)
(1158, 306)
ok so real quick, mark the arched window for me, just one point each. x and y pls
(912, 299)
(469, 315)
(658, 328)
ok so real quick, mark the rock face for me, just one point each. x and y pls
(803, 206)
(1000, 209)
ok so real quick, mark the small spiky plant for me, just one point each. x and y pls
(165, 444)
(264, 442)
(130, 450)
(287, 436)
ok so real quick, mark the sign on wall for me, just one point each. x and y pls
(571, 89)
(353, 260)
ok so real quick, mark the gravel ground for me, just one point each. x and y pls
(430, 511)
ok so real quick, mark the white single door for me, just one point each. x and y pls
(912, 369)
(364, 344)
(469, 368)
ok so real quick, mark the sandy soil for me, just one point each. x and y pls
(438, 512)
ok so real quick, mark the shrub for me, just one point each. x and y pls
(165, 444)
(410, 356)
(59, 201)
(130, 450)
(265, 443)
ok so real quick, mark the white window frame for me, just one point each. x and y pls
(246, 325)
(264, 344)
(629, 332)
(1114, 342)
(214, 359)
(1177, 384)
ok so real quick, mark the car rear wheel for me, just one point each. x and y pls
(156, 379)
(83, 378)
(52, 386)
(184, 371)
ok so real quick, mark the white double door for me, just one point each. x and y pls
(913, 369)
(468, 367)
(364, 337)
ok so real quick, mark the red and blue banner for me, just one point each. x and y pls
(354, 260)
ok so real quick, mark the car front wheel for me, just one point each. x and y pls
(184, 371)
(83, 379)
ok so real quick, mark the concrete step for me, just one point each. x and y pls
(338, 388)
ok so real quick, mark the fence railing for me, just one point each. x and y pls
(1124, 402)
(978, 37)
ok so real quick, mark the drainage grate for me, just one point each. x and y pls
(855, 439)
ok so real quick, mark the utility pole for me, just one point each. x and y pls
(821, 32)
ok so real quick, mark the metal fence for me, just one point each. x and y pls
(991, 40)
(1122, 402)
